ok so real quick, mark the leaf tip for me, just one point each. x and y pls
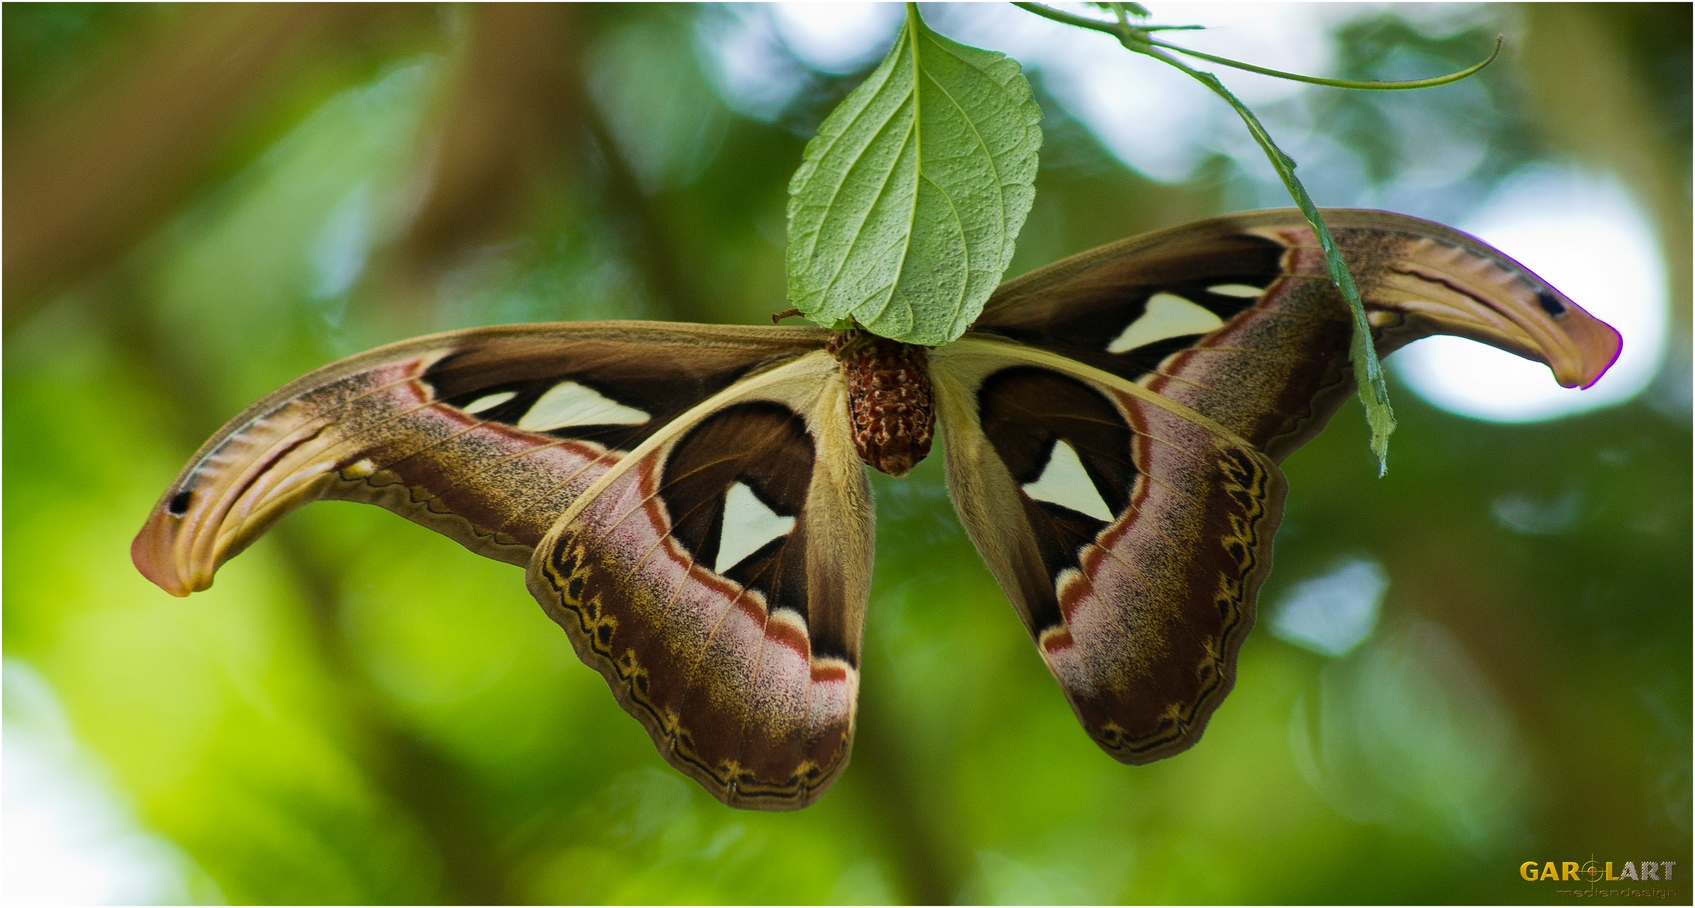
(1382, 421)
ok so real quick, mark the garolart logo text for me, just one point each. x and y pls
(1604, 879)
(1592, 871)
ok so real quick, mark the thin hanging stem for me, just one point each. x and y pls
(1369, 85)
(1136, 38)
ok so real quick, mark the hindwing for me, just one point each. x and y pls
(1130, 533)
(718, 576)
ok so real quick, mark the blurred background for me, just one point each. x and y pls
(1480, 660)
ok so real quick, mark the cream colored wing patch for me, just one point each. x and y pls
(748, 525)
(1130, 533)
(571, 404)
(1167, 315)
(489, 401)
(1064, 482)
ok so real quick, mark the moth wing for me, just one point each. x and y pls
(1236, 318)
(485, 435)
(718, 577)
(1130, 533)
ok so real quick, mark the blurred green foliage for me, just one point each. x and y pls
(361, 711)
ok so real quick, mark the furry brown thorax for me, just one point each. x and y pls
(890, 400)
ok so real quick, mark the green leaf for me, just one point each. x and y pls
(903, 214)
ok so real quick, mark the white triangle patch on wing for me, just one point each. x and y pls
(748, 525)
(571, 404)
(1167, 315)
(489, 401)
(1064, 482)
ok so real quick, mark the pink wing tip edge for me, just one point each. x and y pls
(1600, 351)
(1599, 346)
(152, 557)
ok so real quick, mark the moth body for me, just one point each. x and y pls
(891, 403)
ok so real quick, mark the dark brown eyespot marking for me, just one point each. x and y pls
(179, 502)
(1550, 304)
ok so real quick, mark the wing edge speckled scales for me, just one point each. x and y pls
(1217, 345)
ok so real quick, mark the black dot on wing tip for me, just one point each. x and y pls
(179, 502)
(1551, 304)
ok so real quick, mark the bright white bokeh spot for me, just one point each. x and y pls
(1155, 119)
(1586, 236)
(1582, 234)
(837, 37)
(759, 56)
(1333, 613)
(746, 62)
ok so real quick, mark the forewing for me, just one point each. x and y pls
(486, 435)
(1236, 318)
(1131, 533)
(718, 576)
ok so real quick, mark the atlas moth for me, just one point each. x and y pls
(691, 503)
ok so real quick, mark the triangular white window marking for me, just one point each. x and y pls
(1167, 315)
(748, 524)
(489, 401)
(571, 404)
(1064, 482)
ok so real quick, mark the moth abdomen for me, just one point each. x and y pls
(890, 399)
